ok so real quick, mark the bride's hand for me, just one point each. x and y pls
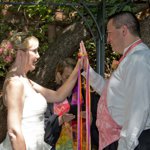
(84, 56)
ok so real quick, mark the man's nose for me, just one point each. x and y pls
(108, 40)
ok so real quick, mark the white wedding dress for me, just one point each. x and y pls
(32, 121)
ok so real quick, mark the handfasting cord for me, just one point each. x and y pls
(79, 132)
(88, 108)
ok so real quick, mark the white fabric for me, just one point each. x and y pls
(128, 95)
(32, 121)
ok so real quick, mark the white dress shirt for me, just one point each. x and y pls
(128, 95)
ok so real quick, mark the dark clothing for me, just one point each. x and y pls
(53, 130)
(144, 142)
(94, 131)
(112, 146)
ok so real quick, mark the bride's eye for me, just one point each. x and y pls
(34, 51)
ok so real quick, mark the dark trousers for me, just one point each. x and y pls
(144, 142)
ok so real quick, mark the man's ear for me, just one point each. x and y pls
(124, 30)
(58, 78)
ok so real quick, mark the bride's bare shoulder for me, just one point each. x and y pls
(12, 82)
(13, 86)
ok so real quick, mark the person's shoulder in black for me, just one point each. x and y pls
(52, 127)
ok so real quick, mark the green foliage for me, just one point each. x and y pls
(35, 19)
(117, 5)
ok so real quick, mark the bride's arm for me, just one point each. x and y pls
(14, 98)
(63, 91)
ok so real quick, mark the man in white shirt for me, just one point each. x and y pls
(123, 114)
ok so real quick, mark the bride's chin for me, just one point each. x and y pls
(32, 68)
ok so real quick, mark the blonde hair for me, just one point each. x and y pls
(22, 41)
(16, 41)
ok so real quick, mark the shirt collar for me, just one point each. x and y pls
(129, 46)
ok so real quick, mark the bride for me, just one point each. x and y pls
(26, 101)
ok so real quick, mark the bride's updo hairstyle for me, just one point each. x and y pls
(15, 42)
(19, 41)
(23, 41)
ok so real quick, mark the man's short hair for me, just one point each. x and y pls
(126, 18)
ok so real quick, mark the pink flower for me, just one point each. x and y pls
(1, 50)
(9, 45)
(8, 59)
